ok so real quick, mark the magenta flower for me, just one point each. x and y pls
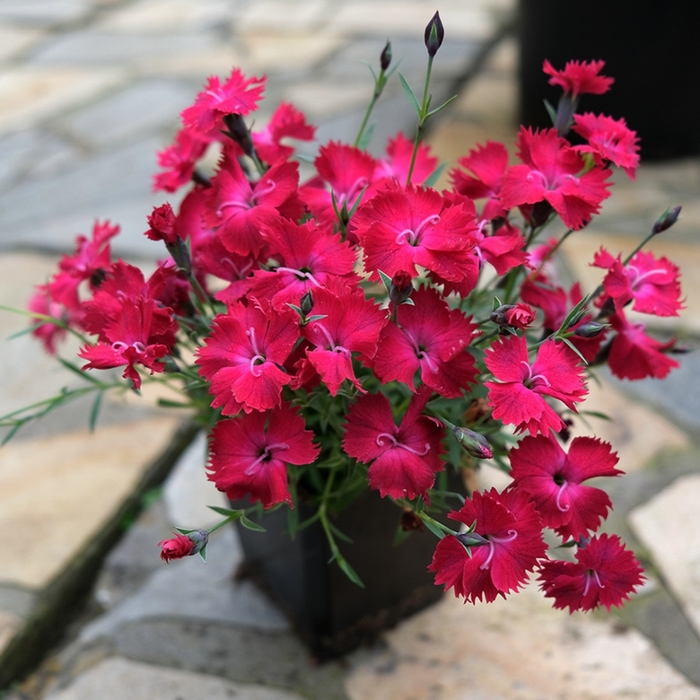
(403, 459)
(495, 558)
(634, 354)
(429, 337)
(249, 454)
(609, 140)
(652, 283)
(554, 480)
(238, 95)
(517, 394)
(286, 122)
(554, 172)
(242, 357)
(579, 77)
(605, 574)
(399, 152)
(179, 159)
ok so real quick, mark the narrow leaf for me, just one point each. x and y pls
(409, 94)
(250, 525)
(442, 106)
(95, 411)
(433, 177)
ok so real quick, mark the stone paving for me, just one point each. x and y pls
(90, 89)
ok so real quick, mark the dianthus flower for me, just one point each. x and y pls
(653, 283)
(605, 574)
(517, 394)
(176, 548)
(179, 159)
(554, 172)
(579, 77)
(286, 122)
(403, 459)
(429, 337)
(554, 479)
(249, 454)
(609, 140)
(396, 164)
(495, 557)
(238, 95)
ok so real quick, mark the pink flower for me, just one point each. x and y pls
(401, 228)
(242, 357)
(249, 454)
(399, 152)
(429, 337)
(605, 574)
(238, 95)
(635, 355)
(286, 122)
(176, 548)
(488, 164)
(609, 139)
(553, 478)
(179, 160)
(652, 283)
(405, 458)
(579, 77)
(517, 394)
(554, 172)
(495, 557)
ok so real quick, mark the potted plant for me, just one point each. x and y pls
(354, 343)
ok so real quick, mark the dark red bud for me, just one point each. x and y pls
(161, 224)
(666, 220)
(434, 34)
(401, 287)
(385, 58)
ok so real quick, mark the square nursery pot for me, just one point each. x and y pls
(332, 614)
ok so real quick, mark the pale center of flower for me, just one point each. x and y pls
(551, 184)
(412, 236)
(591, 575)
(258, 358)
(382, 439)
(320, 328)
(493, 541)
(266, 456)
(352, 192)
(120, 346)
(238, 272)
(300, 274)
(636, 277)
(565, 506)
(532, 381)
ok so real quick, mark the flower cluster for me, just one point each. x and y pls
(357, 329)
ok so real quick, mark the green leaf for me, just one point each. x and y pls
(366, 137)
(169, 403)
(95, 411)
(551, 111)
(250, 525)
(227, 512)
(596, 414)
(442, 106)
(76, 370)
(433, 177)
(203, 553)
(409, 94)
(385, 279)
(434, 529)
(349, 571)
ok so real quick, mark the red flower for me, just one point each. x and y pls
(429, 337)
(399, 152)
(495, 558)
(176, 548)
(554, 172)
(405, 458)
(579, 77)
(179, 160)
(238, 95)
(634, 354)
(517, 395)
(652, 283)
(605, 574)
(401, 228)
(286, 122)
(249, 454)
(554, 479)
(242, 357)
(609, 139)
(519, 315)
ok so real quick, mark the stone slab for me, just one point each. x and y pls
(43, 12)
(15, 39)
(9, 624)
(283, 17)
(116, 679)
(665, 526)
(517, 649)
(191, 589)
(58, 491)
(30, 94)
(283, 53)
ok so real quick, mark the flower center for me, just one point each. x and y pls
(493, 541)
(258, 358)
(320, 328)
(265, 456)
(533, 381)
(120, 346)
(591, 575)
(412, 236)
(383, 437)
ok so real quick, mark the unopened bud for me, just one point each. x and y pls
(472, 539)
(199, 539)
(590, 329)
(666, 220)
(401, 287)
(410, 521)
(238, 131)
(434, 34)
(161, 224)
(307, 303)
(498, 316)
(474, 443)
(385, 58)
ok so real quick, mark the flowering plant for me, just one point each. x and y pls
(363, 329)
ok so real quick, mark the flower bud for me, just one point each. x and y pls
(472, 539)
(434, 34)
(183, 545)
(307, 303)
(161, 224)
(238, 131)
(474, 443)
(666, 220)
(590, 329)
(518, 315)
(401, 287)
(385, 58)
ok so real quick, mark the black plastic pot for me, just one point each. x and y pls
(330, 613)
(650, 48)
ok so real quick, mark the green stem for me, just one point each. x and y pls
(422, 119)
